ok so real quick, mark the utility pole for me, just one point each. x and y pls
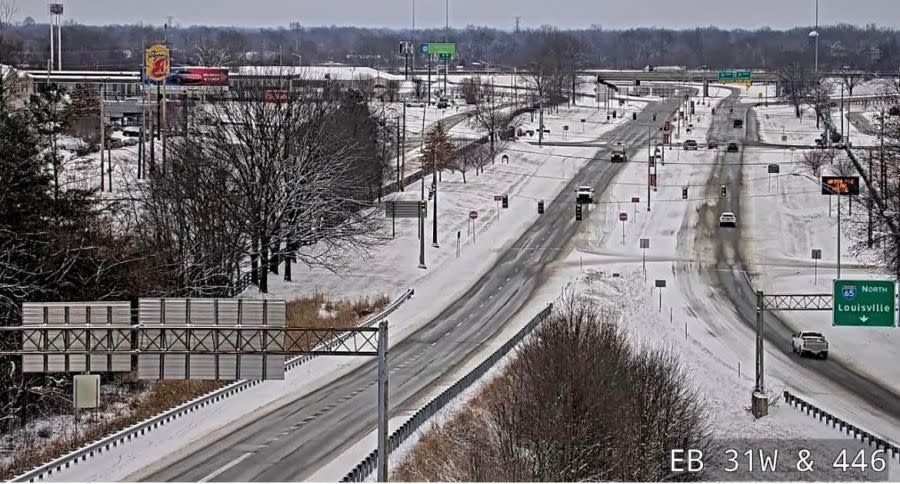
(434, 182)
(102, 135)
(403, 151)
(382, 403)
(869, 231)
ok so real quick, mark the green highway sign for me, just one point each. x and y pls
(439, 48)
(864, 303)
(735, 76)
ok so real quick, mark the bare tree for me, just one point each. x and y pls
(814, 160)
(850, 78)
(288, 175)
(819, 99)
(796, 82)
(490, 115)
(212, 54)
(8, 11)
(437, 150)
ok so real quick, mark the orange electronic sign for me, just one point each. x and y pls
(840, 185)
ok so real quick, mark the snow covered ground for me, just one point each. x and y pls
(390, 269)
(716, 349)
(795, 208)
(777, 121)
(532, 174)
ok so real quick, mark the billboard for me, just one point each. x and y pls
(184, 77)
(156, 62)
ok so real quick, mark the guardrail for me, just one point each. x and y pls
(367, 466)
(141, 428)
(836, 422)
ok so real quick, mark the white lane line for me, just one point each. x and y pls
(224, 468)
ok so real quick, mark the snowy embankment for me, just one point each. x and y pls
(389, 269)
(795, 208)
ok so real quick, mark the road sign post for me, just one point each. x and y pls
(645, 244)
(623, 217)
(635, 201)
(864, 303)
(816, 255)
(660, 284)
(473, 215)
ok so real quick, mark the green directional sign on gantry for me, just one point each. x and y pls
(864, 303)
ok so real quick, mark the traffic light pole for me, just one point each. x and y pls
(649, 155)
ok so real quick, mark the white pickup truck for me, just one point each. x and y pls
(810, 342)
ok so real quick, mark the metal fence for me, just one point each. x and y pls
(844, 426)
(367, 466)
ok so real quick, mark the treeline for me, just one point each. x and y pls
(119, 46)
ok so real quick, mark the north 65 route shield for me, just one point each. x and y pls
(156, 62)
(863, 303)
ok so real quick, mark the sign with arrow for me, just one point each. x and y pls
(864, 303)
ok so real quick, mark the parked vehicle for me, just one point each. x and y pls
(690, 144)
(810, 342)
(733, 147)
(738, 123)
(727, 219)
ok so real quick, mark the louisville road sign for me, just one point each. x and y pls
(864, 303)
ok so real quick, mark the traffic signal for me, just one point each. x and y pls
(654, 116)
(423, 208)
(577, 211)
(505, 201)
(724, 191)
(684, 193)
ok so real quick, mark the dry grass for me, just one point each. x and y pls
(320, 311)
(160, 397)
(316, 311)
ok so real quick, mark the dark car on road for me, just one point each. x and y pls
(712, 144)
(733, 147)
(690, 144)
(738, 123)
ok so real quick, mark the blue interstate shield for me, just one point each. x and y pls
(849, 292)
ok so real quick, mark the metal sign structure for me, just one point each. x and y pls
(192, 352)
(48, 338)
(73, 318)
(774, 168)
(864, 303)
(403, 209)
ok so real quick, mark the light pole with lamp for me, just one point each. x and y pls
(815, 35)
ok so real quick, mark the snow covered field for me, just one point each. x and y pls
(715, 348)
(390, 269)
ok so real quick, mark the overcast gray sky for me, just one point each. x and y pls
(497, 13)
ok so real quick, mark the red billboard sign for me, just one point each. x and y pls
(189, 77)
